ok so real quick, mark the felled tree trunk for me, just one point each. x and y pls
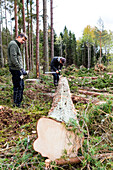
(54, 140)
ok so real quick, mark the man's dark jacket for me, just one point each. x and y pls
(14, 56)
(55, 64)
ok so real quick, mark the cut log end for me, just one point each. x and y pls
(54, 140)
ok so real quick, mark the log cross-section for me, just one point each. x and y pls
(54, 140)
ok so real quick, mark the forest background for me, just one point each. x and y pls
(94, 46)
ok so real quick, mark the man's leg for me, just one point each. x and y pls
(15, 95)
(55, 79)
(16, 85)
(20, 92)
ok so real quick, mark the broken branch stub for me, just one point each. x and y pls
(54, 140)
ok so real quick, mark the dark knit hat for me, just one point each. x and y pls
(63, 60)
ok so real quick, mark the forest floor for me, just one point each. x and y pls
(92, 95)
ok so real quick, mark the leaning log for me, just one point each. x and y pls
(54, 140)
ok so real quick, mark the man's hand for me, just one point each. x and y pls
(57, 71)
(21, 76)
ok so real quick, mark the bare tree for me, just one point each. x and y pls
(16, 19)
(31, 34)
(52, 32)
(1, 51)
(101, 26)
(24, 29)
(29, 39)
(45, 32)
(37, 40)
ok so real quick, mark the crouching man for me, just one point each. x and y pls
(56, 66)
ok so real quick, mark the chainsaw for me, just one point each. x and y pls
(53, 72)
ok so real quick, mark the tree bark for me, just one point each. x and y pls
(62, 107)
(16, 19)
(52, 32)
(31, 36)
(1, 51)
(37, 41)
(45, 32)
(24, 29)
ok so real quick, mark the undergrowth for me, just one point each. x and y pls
(18, 125)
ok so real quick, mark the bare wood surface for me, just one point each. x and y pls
(54, 139)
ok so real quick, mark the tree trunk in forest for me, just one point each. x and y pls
(45, 32)
(5, 60)
(88, 56)
(100, 58)
(54, 139)
(24, 29)
(11, 26)
(37, 41)
(16, 19)
(1, 51)
(31, 35)
(52, 32)
(29, 39)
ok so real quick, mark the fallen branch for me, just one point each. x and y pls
(93, 93)
(81, 158)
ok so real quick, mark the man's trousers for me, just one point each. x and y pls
(18, 87)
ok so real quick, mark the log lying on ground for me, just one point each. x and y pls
(93, 89)
(93, 78)
(32, 81)
(53, 138)
(85, 100)
(81, 158)
(93, 93)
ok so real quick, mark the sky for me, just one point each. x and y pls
(77, 14)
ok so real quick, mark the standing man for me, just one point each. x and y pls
(56, 66)
(16, 68)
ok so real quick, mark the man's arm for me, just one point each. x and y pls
(14, 59)
(53, 64)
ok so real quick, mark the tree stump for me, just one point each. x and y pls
(54, 140)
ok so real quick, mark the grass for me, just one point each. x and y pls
(18, 125)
